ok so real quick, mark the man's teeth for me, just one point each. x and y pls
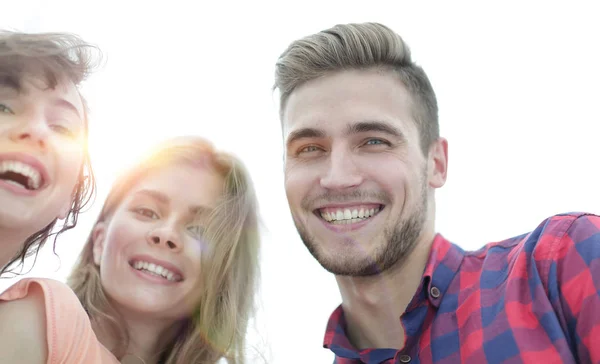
(157, 270)
(349, 216)
(34, 179)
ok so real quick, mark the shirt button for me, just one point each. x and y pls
(435, 292)
(404, 359)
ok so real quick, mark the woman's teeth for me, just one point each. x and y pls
(156, 270)
(20, 174)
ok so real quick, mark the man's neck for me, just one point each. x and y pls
(373, 305)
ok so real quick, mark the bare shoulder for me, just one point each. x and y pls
(23, 328)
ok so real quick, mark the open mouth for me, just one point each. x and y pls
(350, 214)
(156, 270)
(21, 175)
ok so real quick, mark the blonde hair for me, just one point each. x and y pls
(53, 56)
(358, 46)
(230, 275)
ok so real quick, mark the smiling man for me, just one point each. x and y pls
(363, 158)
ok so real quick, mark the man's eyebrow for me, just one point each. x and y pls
(374, 126)
(355, 128)
(304, 133)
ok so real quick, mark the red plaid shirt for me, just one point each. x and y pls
(534, 298)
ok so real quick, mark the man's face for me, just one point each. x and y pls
(356, 179)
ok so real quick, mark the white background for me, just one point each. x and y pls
(517, 85)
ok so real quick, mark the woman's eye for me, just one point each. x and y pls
(62, 130)
(196, 230)
(146, 213)
(5, 109)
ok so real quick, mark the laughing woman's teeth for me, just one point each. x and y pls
(20, 174)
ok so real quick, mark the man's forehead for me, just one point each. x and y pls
(346, 97)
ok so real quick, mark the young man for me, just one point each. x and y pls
(363, 158)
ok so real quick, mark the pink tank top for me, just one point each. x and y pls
(71, 339)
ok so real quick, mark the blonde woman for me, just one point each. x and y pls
(45, 172)
(168, 273)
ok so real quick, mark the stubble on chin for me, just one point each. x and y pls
(393, 248)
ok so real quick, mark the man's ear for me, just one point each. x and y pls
(438, 171)
(98, 239)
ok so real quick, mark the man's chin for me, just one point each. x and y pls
(351, 269)
(345, 256)
(350, 263)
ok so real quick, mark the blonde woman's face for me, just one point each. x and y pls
(150, 251)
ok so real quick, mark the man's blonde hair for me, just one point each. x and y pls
(359, 46)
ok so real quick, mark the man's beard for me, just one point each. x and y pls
(399, 240)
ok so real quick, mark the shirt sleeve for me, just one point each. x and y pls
(573, 278)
